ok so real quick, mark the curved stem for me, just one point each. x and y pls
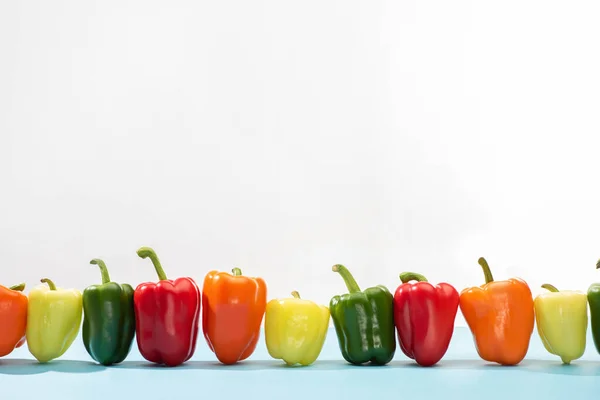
(486, 270)
(598, 264)
(18, 288)
(348, 278)
(103, 269)
(51, 284)
(236, 271)
(145, 252)
(295, 294)
(412, 276)
(550, 287)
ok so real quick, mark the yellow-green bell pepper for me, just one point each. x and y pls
(295, 329)
(562, 319)
(53, 320)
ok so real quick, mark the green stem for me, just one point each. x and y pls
(295, 294)
(236, 271)
(145, 252)
(412, 276)
(598, 264)
(18, 288)
(348, 278)
(103, 269)
(550, 287)
(486, 270)
(49, 282)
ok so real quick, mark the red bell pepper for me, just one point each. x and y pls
(167, 316)
(424, 316)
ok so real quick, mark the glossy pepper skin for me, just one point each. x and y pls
(108, 319)
(53, 320)
(500, 315)
(364, 322)
(167, 314)
(233, 307)
(424, 315)
(593, 297)
(295, 329)
(13, 318)
(561, 319)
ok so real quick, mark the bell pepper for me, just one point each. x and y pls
(295, 329)
(233, 307)
(593, 297)
(424, 315)
(167, 314)
(13, 318)
(364, 322)
(500, 315)
(108, 319)
(53, 320)
(561, 319)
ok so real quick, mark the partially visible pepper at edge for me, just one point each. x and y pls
(13, 318)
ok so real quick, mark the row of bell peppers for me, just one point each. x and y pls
(164, 318)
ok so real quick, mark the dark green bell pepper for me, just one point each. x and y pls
(109, 319)
(593, 296)
(364, 322)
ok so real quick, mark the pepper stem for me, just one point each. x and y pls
(486, 270)
(347, 276)
(550, 287)
(51, 284)
(103, 269)
(598, 264)
(145, 252)
(236, 271)
(412, 276)
(18, 288)
(295, 294)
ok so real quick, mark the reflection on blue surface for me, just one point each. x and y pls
(461, 374)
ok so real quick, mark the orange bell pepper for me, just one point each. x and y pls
(500, 315)
(13, 318)
(233, 307)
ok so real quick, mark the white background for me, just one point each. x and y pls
(284, 137)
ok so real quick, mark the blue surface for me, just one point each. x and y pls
(461, 374)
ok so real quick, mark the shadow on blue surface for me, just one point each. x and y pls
(251, 365)
(578, 368)
(32, 367)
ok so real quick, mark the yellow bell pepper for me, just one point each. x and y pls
(562, 320)
(53, 320)
(295, 329)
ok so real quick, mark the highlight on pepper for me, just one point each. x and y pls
(295, 329)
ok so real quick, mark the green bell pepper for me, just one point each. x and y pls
(364, 322)
(593, 296)
(109, 319)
